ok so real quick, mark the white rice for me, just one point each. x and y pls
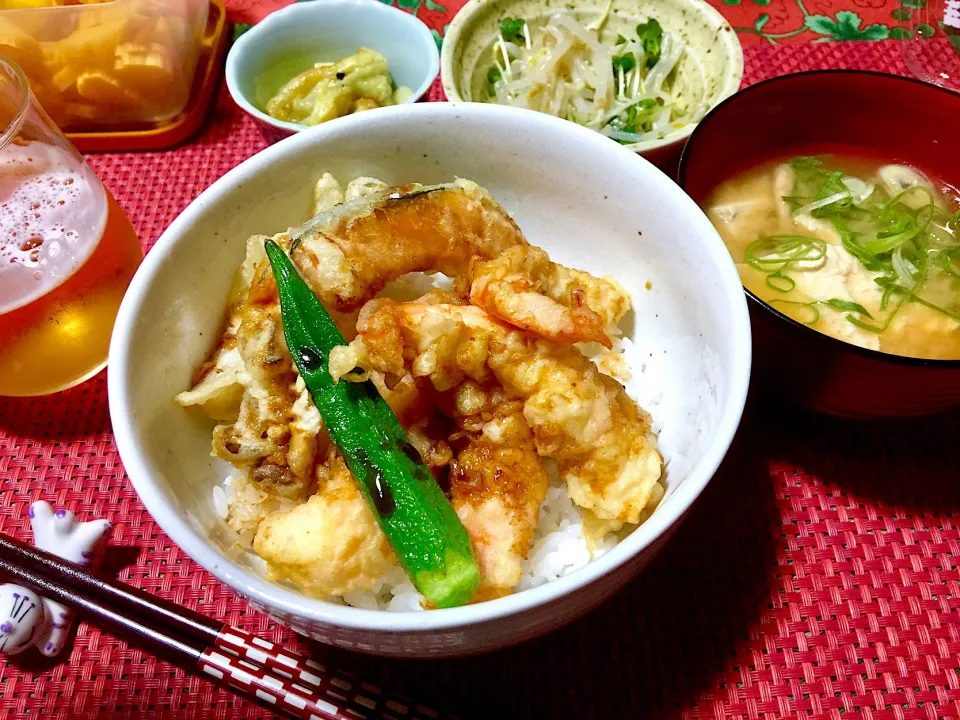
(415, 285)
(559, 549)
(559, 546)
(220, 506)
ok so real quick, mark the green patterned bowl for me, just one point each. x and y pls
(712, 63)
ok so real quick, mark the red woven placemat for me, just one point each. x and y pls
(815, 577)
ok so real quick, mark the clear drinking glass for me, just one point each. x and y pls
(67, 251)
(931, 45)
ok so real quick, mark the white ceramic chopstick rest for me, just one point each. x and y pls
(27, 620)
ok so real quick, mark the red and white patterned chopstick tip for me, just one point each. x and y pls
(337, 694)
(259, 683)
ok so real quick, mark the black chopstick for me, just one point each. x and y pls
(52, 577)
(278, 678)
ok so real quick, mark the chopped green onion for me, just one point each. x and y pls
(898, 198)
(813, 313)
(907, 273)
(833, 187)
(820, 192)
(847, 238)
(779, 252)
(905, 228)
(848, 306)
(811, 307)
(885, 298)
(780, 282)
(511, 29)
(909, 242)
(867, 326)
(859, 189)
(925, 215)
(955, 315)
(853, 320)
(806, 163)
(829, 200)
(950, 262)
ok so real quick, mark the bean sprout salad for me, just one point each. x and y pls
(620, 88)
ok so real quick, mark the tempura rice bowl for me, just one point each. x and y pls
(589, 202)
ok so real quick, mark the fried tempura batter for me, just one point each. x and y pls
(584, 420)
(277, 430)
(497, 484)
(331, 544)
(483, 397)
(348, 254)
(524, 288)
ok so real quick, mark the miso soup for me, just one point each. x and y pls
(866, 252)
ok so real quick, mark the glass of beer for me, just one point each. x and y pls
(67, 252)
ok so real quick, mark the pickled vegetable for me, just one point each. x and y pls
(96, 63)
(330, 90)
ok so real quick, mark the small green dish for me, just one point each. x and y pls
(712, 63)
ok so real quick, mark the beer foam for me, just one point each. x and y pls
(53, 211)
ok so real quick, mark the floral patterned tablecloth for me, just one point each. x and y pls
(756, 21)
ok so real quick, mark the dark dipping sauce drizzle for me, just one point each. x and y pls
(411, 452)
(372, 476)
(378, 488)
(310, 359)
(419, 467)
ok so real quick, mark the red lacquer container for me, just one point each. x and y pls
(890, 117)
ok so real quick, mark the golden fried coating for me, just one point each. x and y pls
(348, 254)
(329, 545)
(524, 288)
(497, 484)
(584, 420)
(486, 391)
(275, 431)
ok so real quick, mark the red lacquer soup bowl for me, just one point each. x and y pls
(892, 118)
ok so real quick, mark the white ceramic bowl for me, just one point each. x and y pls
(589, 202)
(327, 31)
